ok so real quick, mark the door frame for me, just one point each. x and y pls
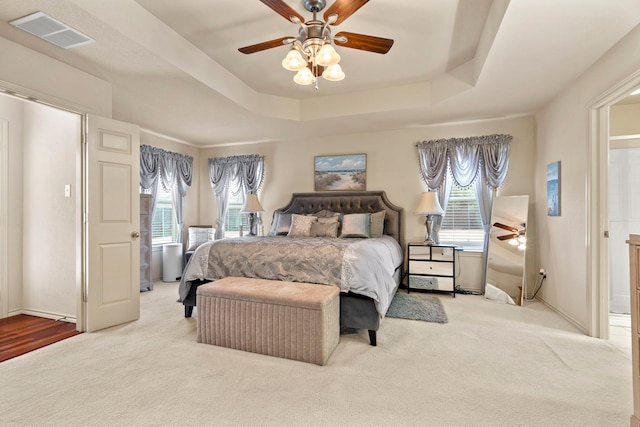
(597, 204)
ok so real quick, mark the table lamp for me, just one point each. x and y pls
(251, 206)
(429, 206)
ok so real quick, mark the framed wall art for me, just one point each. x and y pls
(553, 189)
(343, 172)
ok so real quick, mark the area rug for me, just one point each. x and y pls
(423, 307)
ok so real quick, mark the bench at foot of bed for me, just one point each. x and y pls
(356, 311)
(298, 321)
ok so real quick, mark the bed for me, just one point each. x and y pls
(368, 271)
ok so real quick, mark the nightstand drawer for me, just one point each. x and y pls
(431, 283)
(431, 268)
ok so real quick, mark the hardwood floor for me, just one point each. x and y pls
(22, 333)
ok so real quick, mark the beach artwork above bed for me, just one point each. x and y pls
(344, 172)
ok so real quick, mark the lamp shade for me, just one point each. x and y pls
(429, 204)
(304, 77)
(333, 73)
(294, 61)
(252, 204)
(327, 56)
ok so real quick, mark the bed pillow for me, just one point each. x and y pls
(301, 225)
(377, 223)
(356, 225)
(326, 214)
(283, 224)
(199, 235)
(325, 227)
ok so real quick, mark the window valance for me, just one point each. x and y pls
(466, 157)
(173, 169)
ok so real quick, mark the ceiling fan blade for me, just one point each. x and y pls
(507, 237)
(283, 9)
(363, 42)
(344, 9)
(266, 45)
(505, 227)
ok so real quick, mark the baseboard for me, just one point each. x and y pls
(565, 316)
(46, 315)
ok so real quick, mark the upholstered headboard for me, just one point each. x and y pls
(351, 202)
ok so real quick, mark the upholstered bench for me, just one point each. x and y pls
(298, 321)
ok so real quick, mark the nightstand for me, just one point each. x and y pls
(431, 268)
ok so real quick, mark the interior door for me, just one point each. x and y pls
(112, 223)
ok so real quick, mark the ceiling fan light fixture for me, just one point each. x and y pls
(294, 61)
(327, 56)
(304, 77)
(514, 242)
(333, 73)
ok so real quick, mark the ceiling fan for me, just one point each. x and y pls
(311, 54)
(517, 235)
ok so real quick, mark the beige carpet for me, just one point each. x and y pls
(490, 365)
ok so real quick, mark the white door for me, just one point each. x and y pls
(112, 206)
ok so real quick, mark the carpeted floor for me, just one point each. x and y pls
(417, 306)
(490, 365)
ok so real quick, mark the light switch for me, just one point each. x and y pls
(67, 190)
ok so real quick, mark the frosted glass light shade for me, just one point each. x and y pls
(304, 77)
(294, 61)
(333, 73)
(327, 56)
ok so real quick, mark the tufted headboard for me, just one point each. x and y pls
(351, 202)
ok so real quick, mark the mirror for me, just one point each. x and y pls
(505, 278)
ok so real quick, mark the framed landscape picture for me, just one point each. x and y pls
(553, 189)
(344, 172)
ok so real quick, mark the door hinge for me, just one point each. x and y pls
(84, 295)
(606, 234)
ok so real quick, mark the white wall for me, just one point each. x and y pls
(11, 110)
(563, 134)
(50, 220)
(392, 165)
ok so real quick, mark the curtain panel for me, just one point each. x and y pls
(484, 159)
(174, 171)
(232, 175)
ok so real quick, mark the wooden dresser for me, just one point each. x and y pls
(634, 266)
(146, 284)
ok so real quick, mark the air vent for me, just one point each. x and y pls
(47, 28)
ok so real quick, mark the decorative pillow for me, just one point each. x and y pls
(356, 225)
(274, 223)
(200, 235)
(301, 225)
(377, 223)
(283, 224)
(326, 214)
(325, 227)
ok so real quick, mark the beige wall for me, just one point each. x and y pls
(563, 134)
(624, 120)
(392, 165)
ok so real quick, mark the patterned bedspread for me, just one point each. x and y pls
(362, 266)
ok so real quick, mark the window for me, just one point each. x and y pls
(462, 223)
(163, 227)
(234, 218)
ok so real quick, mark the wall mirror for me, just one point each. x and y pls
(505, 278)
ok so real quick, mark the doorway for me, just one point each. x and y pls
(599, 241)
(40, 227)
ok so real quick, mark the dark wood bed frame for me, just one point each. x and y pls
(356, 311)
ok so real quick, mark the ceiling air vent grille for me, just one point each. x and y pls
(47, 28)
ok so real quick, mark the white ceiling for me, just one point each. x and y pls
(176, 70)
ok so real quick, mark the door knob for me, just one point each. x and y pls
(135, 234)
